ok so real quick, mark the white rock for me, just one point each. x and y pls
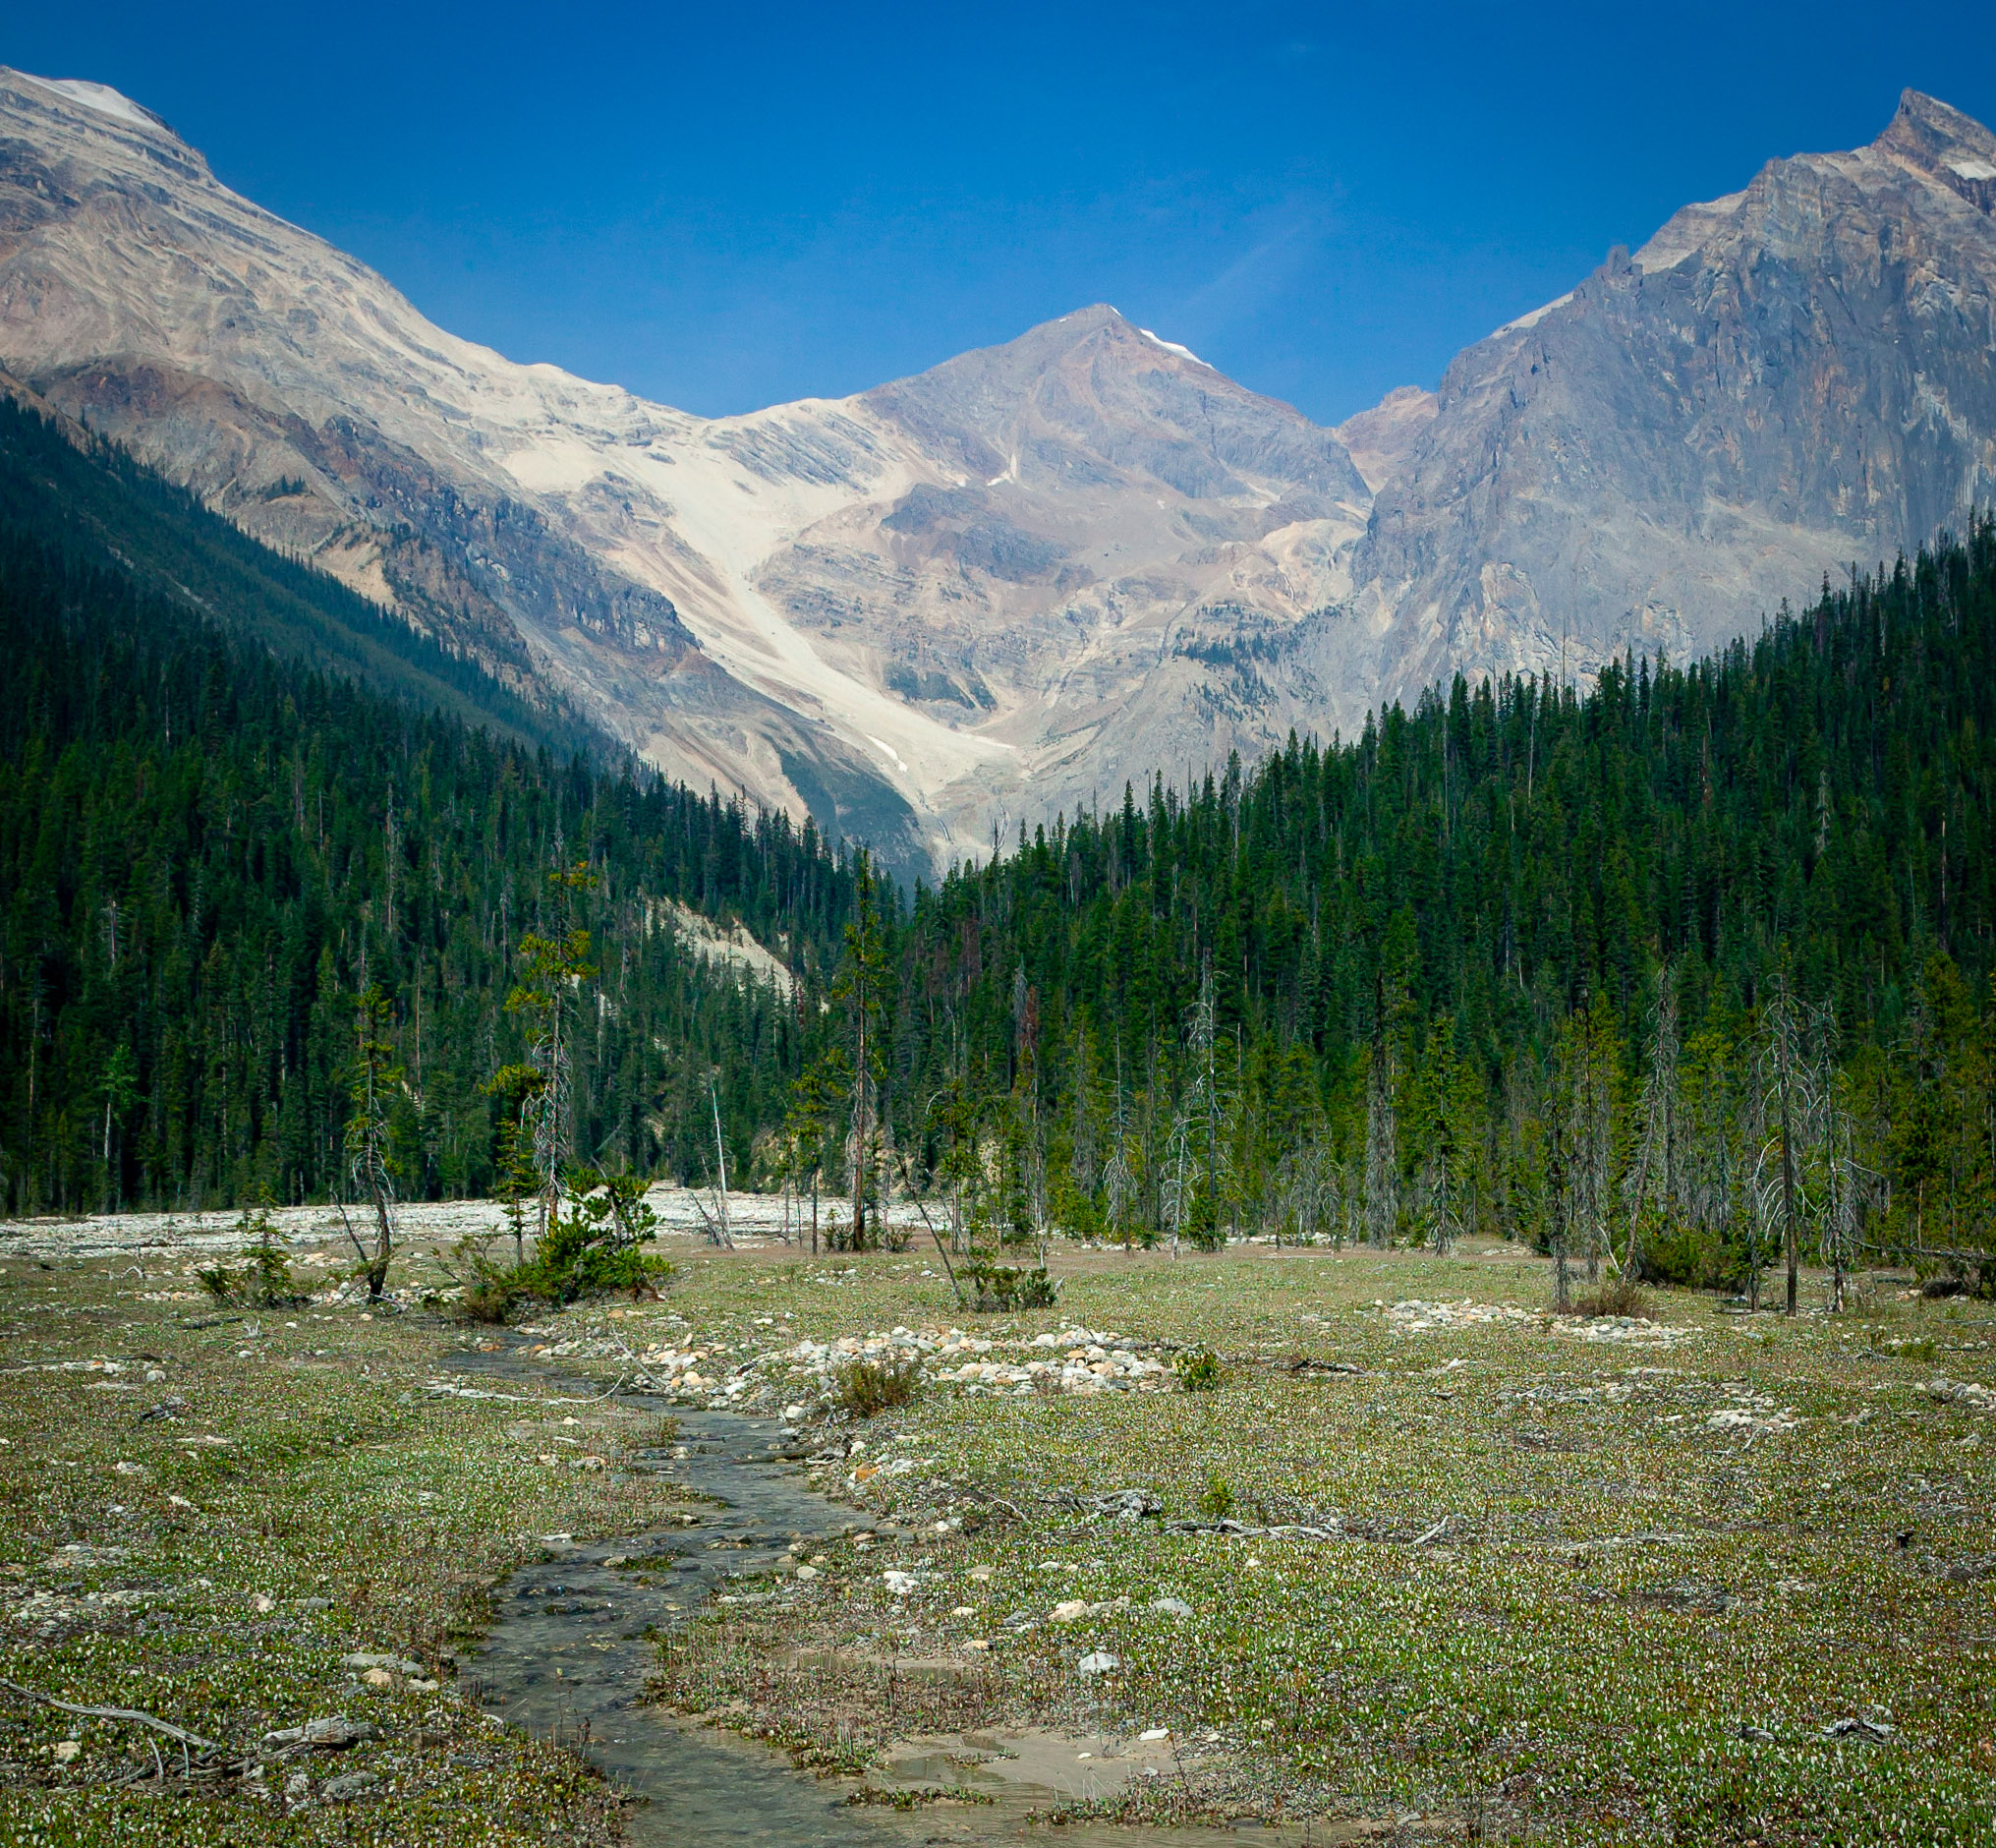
(1096, 1662)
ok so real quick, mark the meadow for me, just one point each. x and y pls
(1372, 1541)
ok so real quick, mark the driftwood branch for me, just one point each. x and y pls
(129, 1715)
(1929, 1251)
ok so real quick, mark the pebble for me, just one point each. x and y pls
(353, 1784)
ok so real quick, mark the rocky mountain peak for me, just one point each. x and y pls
(1943, 142)
(74, 105)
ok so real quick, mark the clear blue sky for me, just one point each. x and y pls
(726, 204)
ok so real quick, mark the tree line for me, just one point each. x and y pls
(1687, 972)
(224, 876)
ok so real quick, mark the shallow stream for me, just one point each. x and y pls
(568, 1658)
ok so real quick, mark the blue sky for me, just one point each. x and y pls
(724, 206)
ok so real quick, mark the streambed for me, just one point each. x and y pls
(568, 1656)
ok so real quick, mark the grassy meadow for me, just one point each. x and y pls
(1415, 1557)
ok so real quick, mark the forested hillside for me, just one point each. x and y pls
(1679, 969)
(1570, 967)
(208, 852)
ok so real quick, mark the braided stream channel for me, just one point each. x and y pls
(570, 1651)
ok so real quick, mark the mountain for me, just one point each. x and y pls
(90, 505)
(961, 596)
(1779, 383)
(1007, 585)
(235, 796)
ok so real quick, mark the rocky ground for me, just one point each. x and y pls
(1368, 1541)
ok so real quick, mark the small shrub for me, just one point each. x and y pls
(1612, 1296)
(1216, 1499)
(1684, 1257)
(1198, 1371)
(1205, 1237)
(866, 1386)
(265, 1282)
(591, 1250)
(999, 1288)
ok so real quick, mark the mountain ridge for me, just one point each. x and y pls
(1008, 584)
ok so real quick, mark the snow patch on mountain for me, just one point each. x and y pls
(103, 99)
(1172, 346)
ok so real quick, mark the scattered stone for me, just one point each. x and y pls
(1958, 1392)
(1172, 1606)
(1096, 1662)
(360, 1662)
(1070, 1610)
(345, 1789)
(1864, 1731)
(898, 1584)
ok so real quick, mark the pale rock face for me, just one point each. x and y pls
(969, 596)
(1382, 439)
(1781, 383)
(1005, 587)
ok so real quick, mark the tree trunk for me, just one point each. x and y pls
(1790, 1236)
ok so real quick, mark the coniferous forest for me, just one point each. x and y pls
(1689, 970)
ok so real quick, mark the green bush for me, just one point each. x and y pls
(592, 1249)
(1198, 1371)
(999, 1289)
(265, 1282)
(866, 1386)
(1217, 1497)
(1689, 1259)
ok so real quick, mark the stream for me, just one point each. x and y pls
(567, 1658)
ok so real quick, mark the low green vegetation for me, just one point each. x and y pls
(1436, 1558)
(1399, 1546)
(207, 1507)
